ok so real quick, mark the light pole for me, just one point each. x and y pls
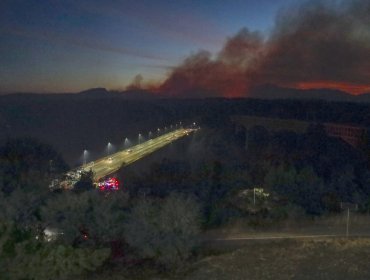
(109, 147)
(349, 207)
(140, 138)
(126, 144)
(150, 135)
(85, 157)
(254, 196)
(347, 227)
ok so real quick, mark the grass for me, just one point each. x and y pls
(289, 259)
(320, 258)
(303, 259)
(335, 224)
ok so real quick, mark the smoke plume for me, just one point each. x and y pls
(321, 44)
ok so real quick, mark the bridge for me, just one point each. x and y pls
(353, 135)
(109, 164)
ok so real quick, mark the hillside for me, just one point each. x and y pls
(274, 92)
(89, 120)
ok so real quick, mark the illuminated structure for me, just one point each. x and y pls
(353, 135)
(108, 165)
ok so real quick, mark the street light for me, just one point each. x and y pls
(127, 143)
(150, 135)
(140, 138)
(109, 147)
(85, 157)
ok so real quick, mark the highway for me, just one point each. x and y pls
(113, 162)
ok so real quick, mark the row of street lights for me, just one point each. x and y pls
(127, 143)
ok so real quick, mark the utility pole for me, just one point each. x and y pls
(347, 228)
(254, 196)
(349, 207)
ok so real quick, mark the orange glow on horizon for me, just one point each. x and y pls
(354, 89)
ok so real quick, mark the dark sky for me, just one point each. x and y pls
(72, 45)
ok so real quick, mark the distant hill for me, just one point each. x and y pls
(132, 94)
(270, 91)
(95, 92)
(364, 97)
(140, 94)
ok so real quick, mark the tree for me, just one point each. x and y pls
(165, 230)
(28, 164)
(21, 207)
(89, 217)
(302, 187)
(85, 183)
(343, 183)
(258, 139)
(24, 257)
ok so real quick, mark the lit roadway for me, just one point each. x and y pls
(113, 162)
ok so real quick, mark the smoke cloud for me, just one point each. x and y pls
(136, 83)
(321, 44)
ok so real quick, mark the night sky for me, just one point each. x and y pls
(73, 45)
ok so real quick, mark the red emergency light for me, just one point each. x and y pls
(110, 184)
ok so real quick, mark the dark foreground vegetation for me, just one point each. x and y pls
(156, 226)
